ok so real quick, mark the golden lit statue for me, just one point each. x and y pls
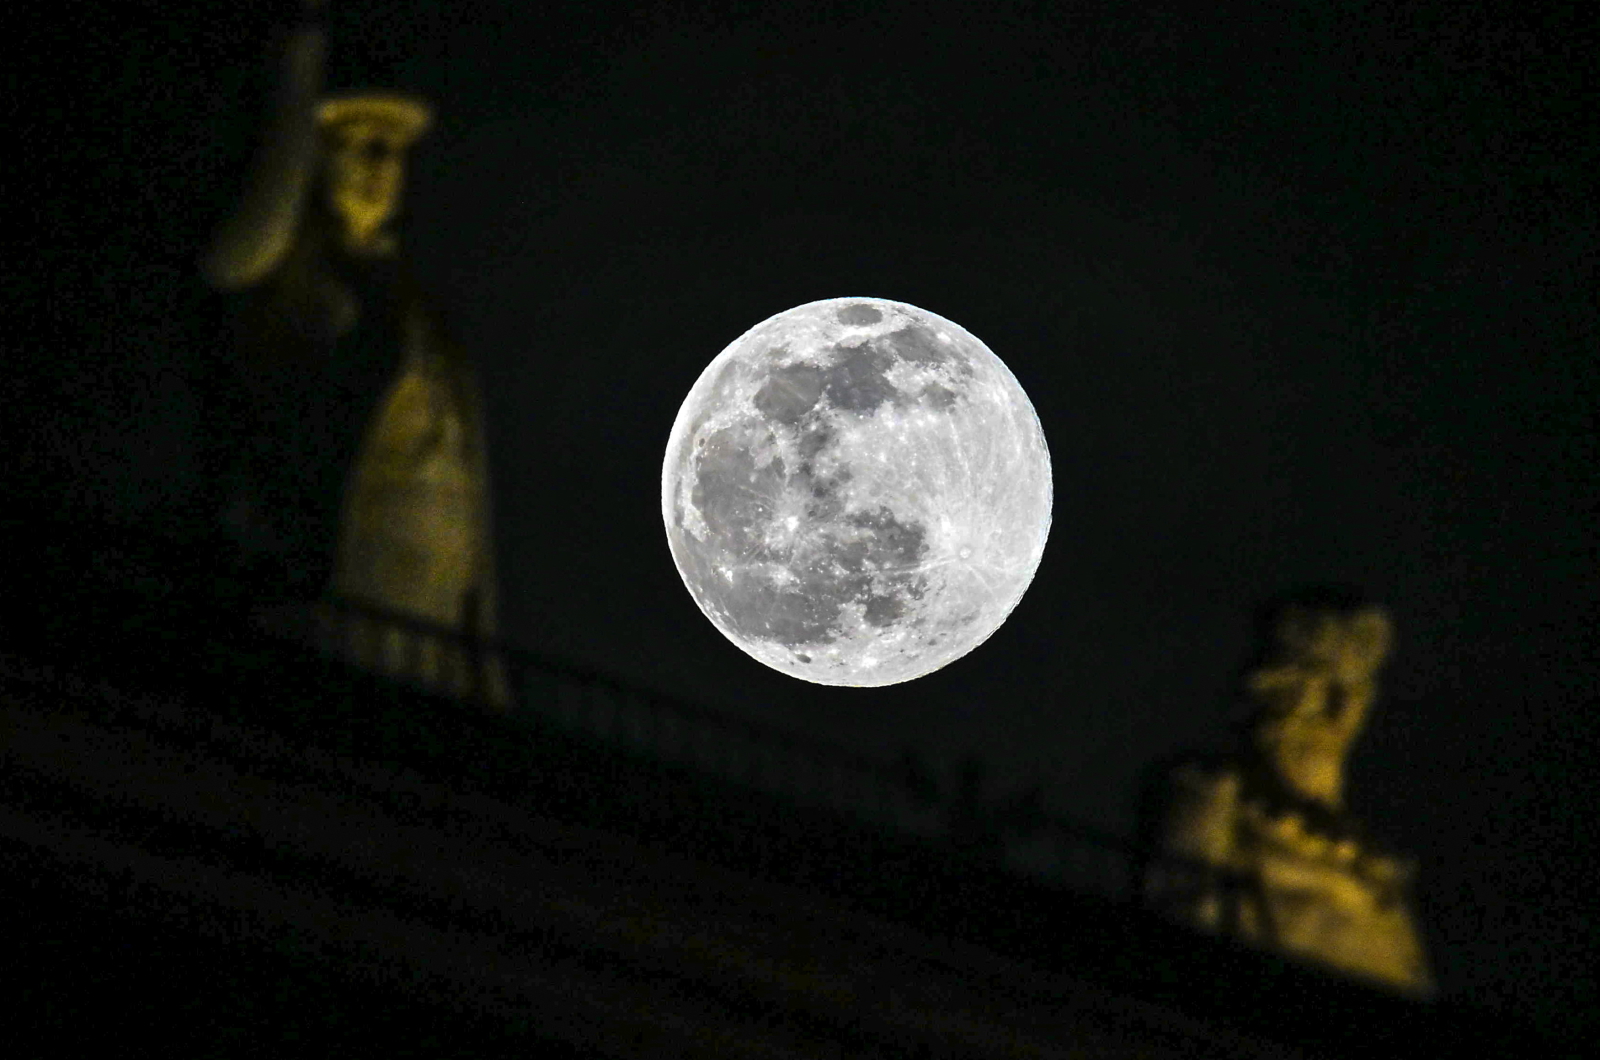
(1268, 852)
(359, 466)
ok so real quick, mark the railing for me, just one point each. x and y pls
(380, 648)
(587, 704)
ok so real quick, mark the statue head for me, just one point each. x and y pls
(365, 139)
(1314, 685)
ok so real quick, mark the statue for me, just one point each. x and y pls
(1264, 848)
(357, 465)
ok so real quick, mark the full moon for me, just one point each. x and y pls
(856, 492)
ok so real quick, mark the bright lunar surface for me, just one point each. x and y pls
(856, 492)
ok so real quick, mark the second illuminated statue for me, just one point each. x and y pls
(1258, 844)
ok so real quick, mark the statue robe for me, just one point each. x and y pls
(1262, 865)
(359, 467)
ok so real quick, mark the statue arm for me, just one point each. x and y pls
(255, 237)
(1365, 644)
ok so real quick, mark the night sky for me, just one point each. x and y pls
(1298, 296)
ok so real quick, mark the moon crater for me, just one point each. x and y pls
(856, 492)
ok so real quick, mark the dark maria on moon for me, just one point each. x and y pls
(856, 492)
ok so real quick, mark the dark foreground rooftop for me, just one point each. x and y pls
(216, 840)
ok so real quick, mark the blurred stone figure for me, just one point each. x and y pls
(354, 460)
(1269, 853)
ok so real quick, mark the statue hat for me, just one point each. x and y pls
(407, 116)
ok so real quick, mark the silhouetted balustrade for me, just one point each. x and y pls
(589, 705)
